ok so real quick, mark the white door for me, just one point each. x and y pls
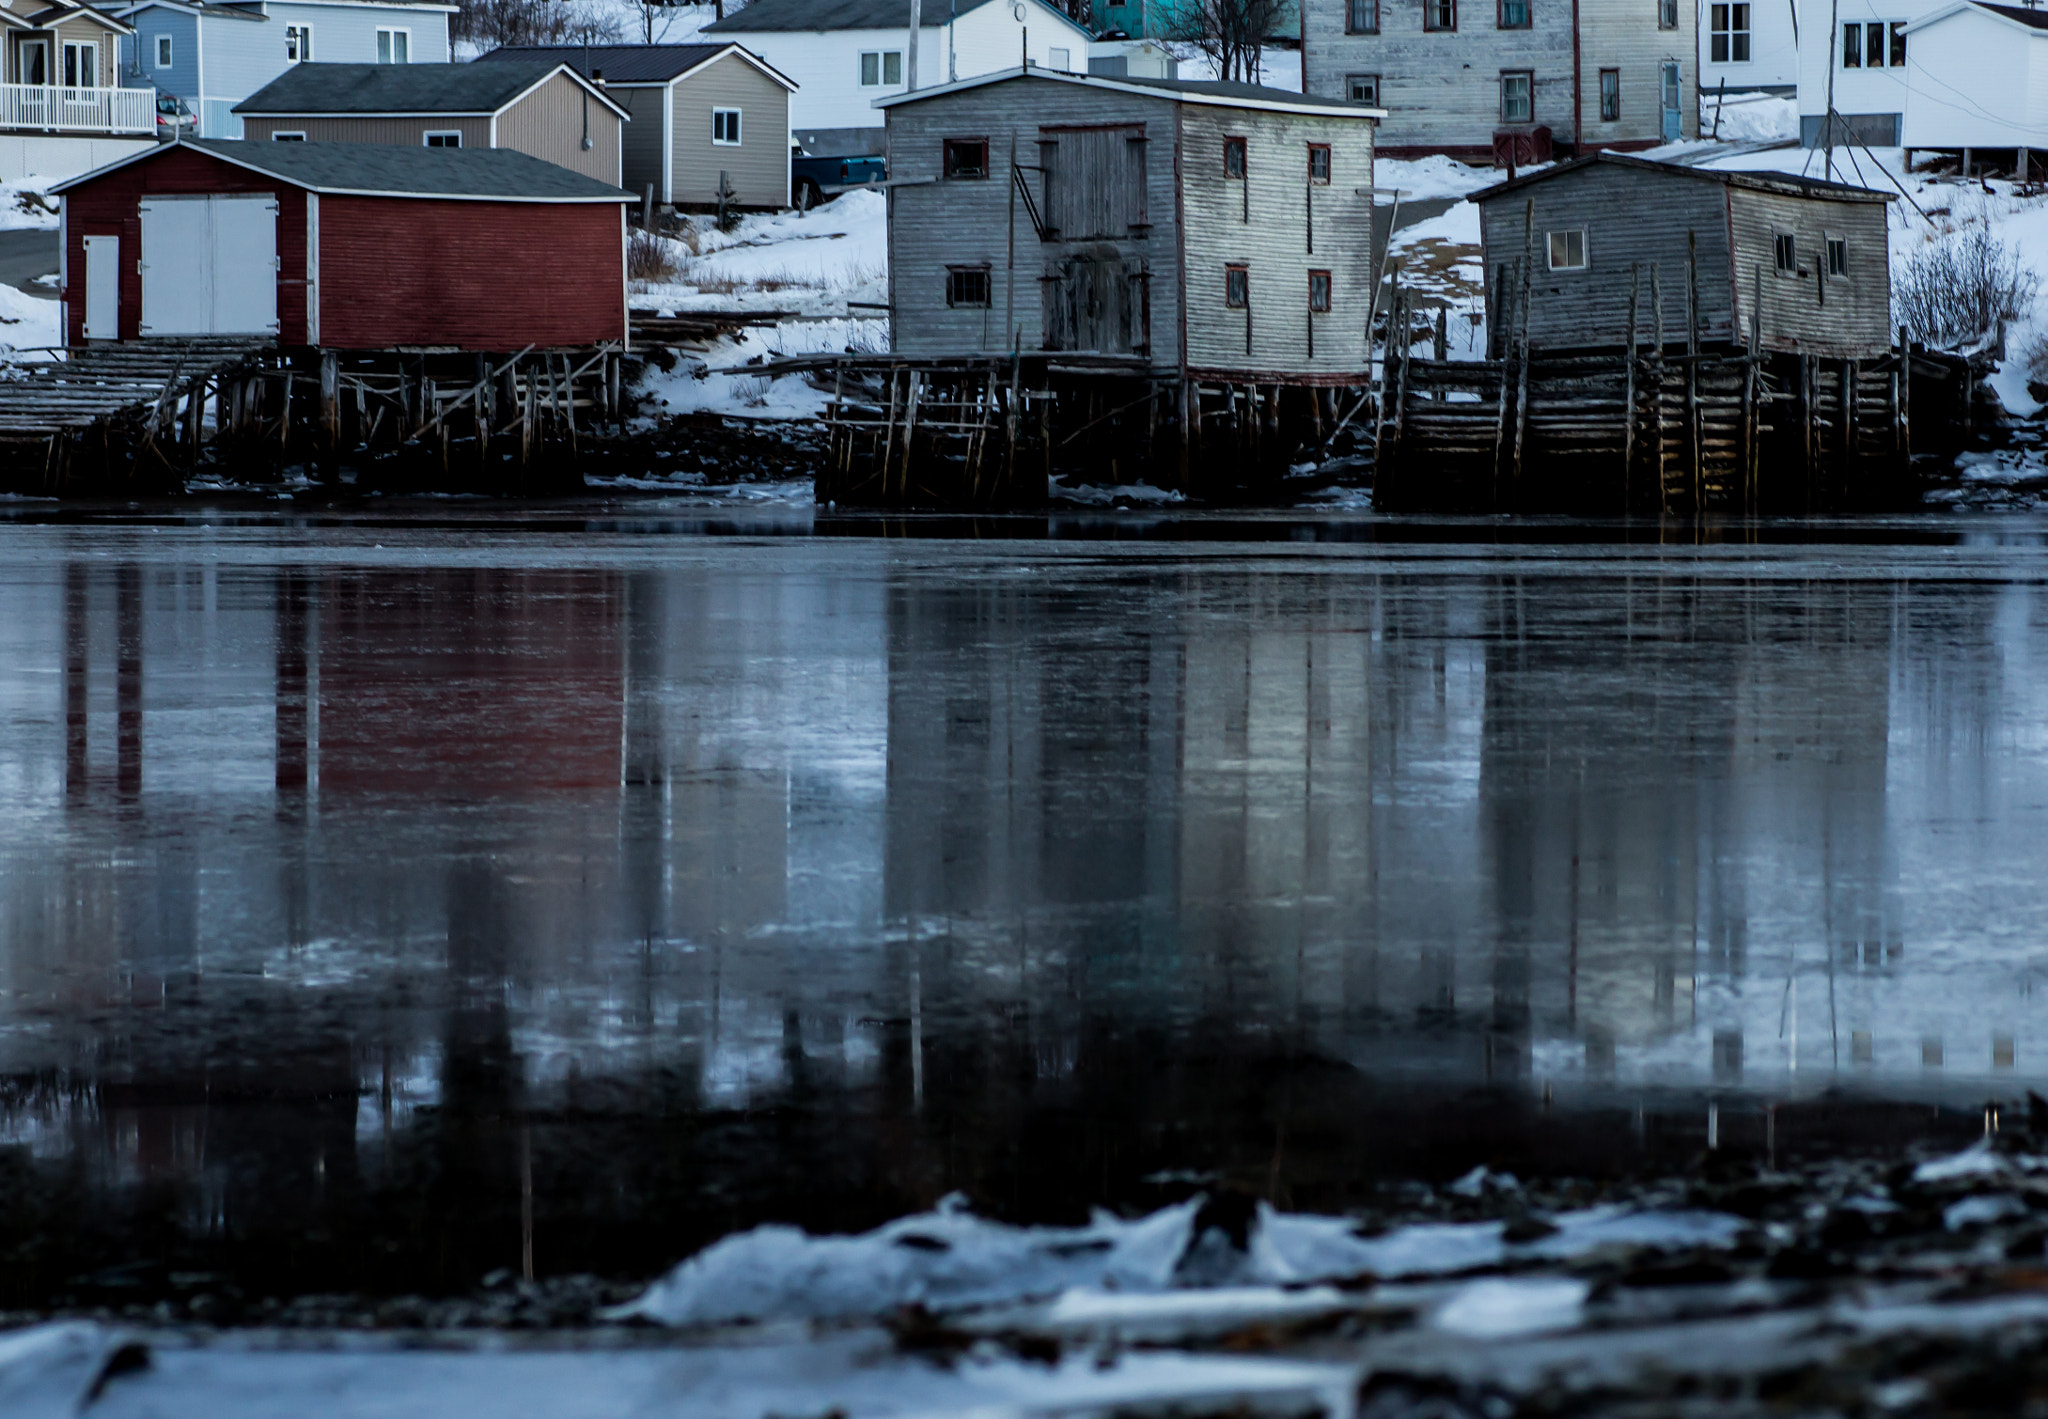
(244, 265)
(177, 266)
(103, 288)
(209, 265)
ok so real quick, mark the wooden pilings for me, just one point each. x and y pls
(1655, 430)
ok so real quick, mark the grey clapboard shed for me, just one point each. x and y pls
(1810, 257)
(698, 110)
(1192, 230)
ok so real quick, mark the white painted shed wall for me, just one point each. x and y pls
(1773, 50)
(1857, 91)
(1975, 81)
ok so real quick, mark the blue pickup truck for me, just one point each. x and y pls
(814, 180)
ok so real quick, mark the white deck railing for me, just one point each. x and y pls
(50, 109)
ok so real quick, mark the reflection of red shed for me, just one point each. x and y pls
(353, 246)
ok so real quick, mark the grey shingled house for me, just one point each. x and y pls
(698, 110)
(1809, 257)
(546, 110)
(1207, 230)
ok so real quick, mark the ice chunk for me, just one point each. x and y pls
(1508, 1305)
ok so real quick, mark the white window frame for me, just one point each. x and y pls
(1550, 248)
(1722, 31)
(81, 48)
(1829, 241)
(164, 51)
(300, 36)
(387, 44)
(881, 58)
(288, 135)
(738, 125)
(427, 138)
(1353, 81)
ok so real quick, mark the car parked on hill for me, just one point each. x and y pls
(813, 180)
(174, 116)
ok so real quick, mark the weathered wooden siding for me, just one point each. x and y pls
(640, 146)
(397, 271)
(967, 223)
(401, 132)
(1623, 35)
(111, 206)
(1442, 89)
(1632, 217)
(549, 123)
(1264, 223)
(759, 167)
(1844, 316)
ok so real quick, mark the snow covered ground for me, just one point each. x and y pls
(24, 206)
(28, 327)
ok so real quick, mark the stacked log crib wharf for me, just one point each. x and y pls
(991, 431)
(443, 419)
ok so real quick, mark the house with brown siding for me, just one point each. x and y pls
(1808, 260)
(1213, 231)
(545, 110)
(62, 106)
(1487, 78)
(701, 113)
(359, 246)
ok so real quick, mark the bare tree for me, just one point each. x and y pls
(1229, 32)
(1081, 12)
(490, 23)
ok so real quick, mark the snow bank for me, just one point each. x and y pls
(1434, 177)
(950, 1259)
(29, 325)
(843, 243)
(721, 382)
(18, 213)
(1751, 118)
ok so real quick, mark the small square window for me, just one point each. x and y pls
(966, 159)
(451, 139)
(1319, 164)
(1517, 104)
(725, 127)
(1361, 16)
(1838, 256)
(1439, 14)
(967, 286)
(1319, 291)
(394, 46)
(1237, 287)
(1610, 96)
(1513, 14)
(1785, 253)
(163, 51)
(1363, 88)
(1568, 249)
(1233, 157)
(881, 68)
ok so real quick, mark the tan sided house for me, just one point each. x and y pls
(547, 111)
(62, 107)
(699, 111)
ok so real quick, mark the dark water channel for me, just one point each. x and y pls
(383, 903)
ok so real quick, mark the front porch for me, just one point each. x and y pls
(43, 108)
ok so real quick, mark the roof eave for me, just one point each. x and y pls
(1097, 81)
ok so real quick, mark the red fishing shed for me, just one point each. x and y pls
(348, 246)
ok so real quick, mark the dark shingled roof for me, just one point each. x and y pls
(619, 63)
(395, 88)
(2032, 19)
(832, 15)
(399, 170)
(1760, 181)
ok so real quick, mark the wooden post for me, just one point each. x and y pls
(1750, 380)
(1809, 412)
(1521, 379)
(1657, 409)
(1692, 371)
(1628, 398)
(1905, 400)
(330, 402)
(1848, 425)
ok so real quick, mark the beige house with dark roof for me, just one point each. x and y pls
(62, 107)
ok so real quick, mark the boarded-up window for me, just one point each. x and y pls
(1095, 182)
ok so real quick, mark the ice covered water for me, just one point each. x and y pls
(386, 902)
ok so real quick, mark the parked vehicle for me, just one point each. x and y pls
(174, 116)
(814, 180)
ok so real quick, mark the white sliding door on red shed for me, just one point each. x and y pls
(209, 265)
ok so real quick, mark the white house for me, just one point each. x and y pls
(1132, 59)
(1748, 45)
(1862, 45)
(845, 54)
(1977, 77)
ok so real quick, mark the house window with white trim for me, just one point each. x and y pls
(442, 138)
(163, 51)
(1838, 256)
(1728, 33)
(1363, 88)
(1568, 249)
(1785, 253)
(1517, 97)
(298, 43)
(725, 127)
(288, 136)
(394, 46)
(881, 68)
